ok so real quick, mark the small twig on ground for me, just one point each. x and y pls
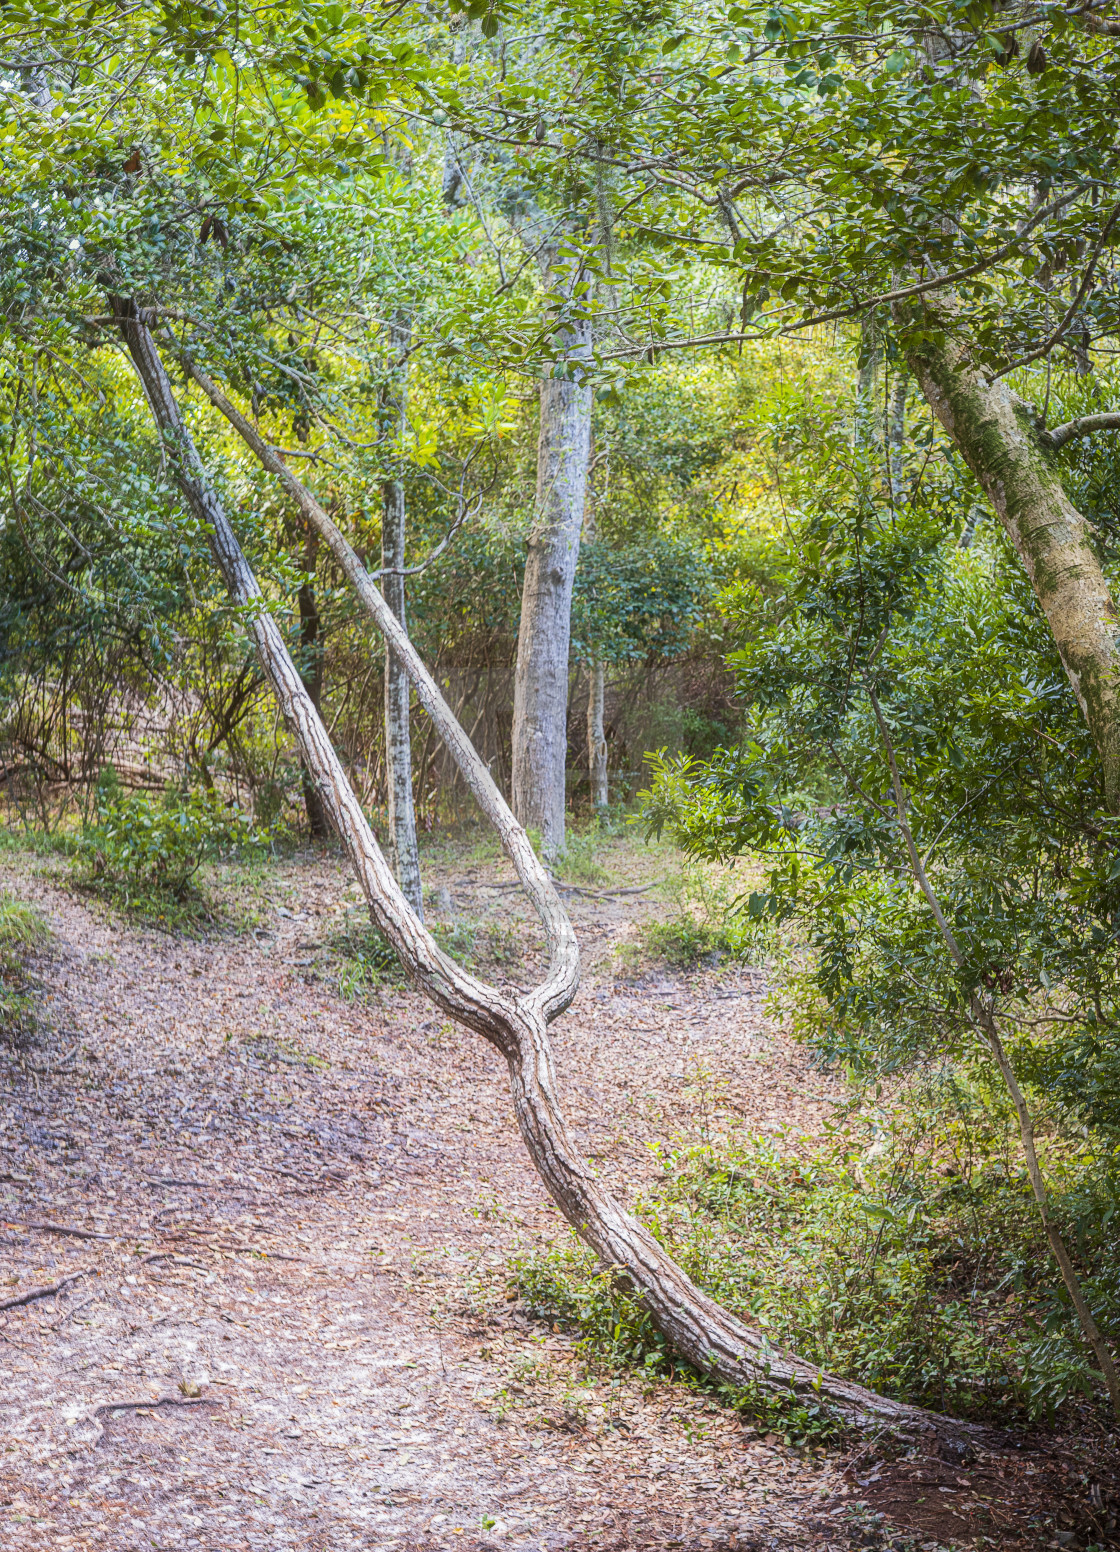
(170, 1180)
(54, 1072)
(256, 1250)
(59, 1228)
(604, 894)
(41, 1293)
(143, 1406)
(152, 1402)
(169, 1255)
(70, 1313)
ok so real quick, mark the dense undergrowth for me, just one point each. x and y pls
(706, 924)
(903, 1251)
(142, 851)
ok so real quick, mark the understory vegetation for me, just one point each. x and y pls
(718, 408)
(904, 1251)
(22, 930)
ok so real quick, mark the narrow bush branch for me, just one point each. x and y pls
(984, 1017)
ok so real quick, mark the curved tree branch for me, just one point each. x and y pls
(705, 1334)
(563, 980)
(1084, 425)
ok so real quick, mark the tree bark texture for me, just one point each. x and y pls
(311, 672)
(996, 434)
(596, 737)
(398, 743)
(701, 1331)
(540, 688)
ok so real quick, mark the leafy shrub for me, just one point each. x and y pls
(904, 1253)
(144, 845)
(707, 924)
(21, 930)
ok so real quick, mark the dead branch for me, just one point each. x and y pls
(42, 1293)
(59, 1228)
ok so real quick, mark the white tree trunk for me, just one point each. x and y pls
(705, 1334)
(398, 744)
(540, 688)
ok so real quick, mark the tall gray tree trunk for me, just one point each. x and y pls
(596, 687)
(540, 686)
(398, 743)
(705, 1334)
(998, 436)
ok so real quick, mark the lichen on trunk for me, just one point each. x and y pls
(999, 436)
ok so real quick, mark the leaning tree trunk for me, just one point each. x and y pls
(997, 435)
(311, 672)
(398, 743)
(702, 1332)
(540, 687)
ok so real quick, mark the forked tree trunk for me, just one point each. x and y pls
(700, 1330)
(540, 686)
(997, 436)
(398, 742)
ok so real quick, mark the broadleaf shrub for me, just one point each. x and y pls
(145, 844)
(903, 1252)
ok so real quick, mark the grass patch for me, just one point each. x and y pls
(903, 1252)
(579, 862)
(708, 924)
(364, 959)
(22, 931)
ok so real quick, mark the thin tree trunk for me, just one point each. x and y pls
(596, 735)
(540, 687)
(702, 1332)
(597, 738)
(398, 743)
(997, 435)
(311, 672)
(896, 431)
(868, 424)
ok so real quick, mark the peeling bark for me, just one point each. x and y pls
(701, 1331)
(997, 435)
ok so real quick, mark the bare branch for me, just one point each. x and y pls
(1084, 425)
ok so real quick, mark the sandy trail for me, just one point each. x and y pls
(302, 1207)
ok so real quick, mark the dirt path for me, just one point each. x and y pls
(292, 1213)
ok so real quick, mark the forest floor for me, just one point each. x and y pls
(286, 1218)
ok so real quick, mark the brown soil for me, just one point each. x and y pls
(290, 1215)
